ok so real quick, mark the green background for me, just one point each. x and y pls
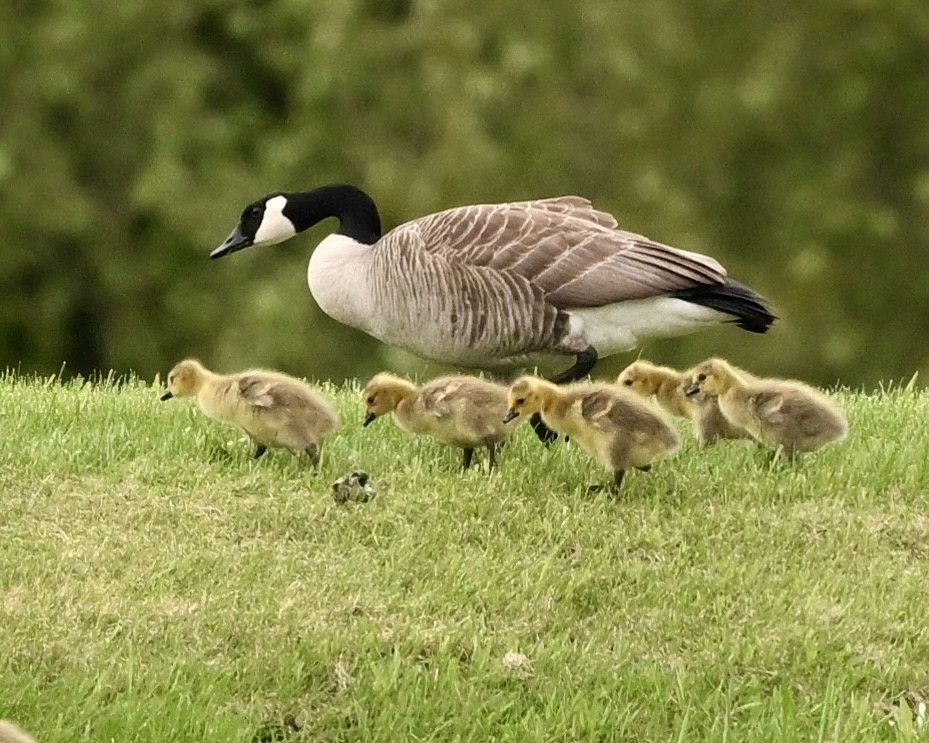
(789, 140)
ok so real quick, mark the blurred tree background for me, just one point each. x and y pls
(789, 140)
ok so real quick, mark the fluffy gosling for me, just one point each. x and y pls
(9, 733)
(459, 410)
(787, 416)
(669, 388)
(616, 428)
(273, 408)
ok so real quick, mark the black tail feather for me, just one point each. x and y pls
(749, 309)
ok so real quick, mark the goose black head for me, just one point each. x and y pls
(263, 222)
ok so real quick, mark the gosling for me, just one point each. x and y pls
(9, 733)
(786, 416)
(273, 408)
(616, 428)
(459, 410)
(669, 387)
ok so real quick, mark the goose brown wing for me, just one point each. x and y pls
(563, 246)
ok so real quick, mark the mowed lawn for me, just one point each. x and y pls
(156, 584)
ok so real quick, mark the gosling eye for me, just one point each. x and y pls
(628, 383)
(520, 401)
(370, 400)
(701, 377)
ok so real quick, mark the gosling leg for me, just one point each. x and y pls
(260, 450)
(491, 455)
(645, 468)
(313, 452)
(467, 454)
(586, 360)
(618, 480)
(612, 488)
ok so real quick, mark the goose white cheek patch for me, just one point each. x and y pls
(274, 227)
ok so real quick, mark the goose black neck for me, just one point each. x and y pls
(355, 210)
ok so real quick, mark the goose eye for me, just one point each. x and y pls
(701, 377)
(520, 401)
(628, 383)
(370, 400)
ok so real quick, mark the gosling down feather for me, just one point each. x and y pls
(615, 427)
(10, 733)
(274, 409)
(497, 286)
(784, 415)
(459, 410)
(669, 388)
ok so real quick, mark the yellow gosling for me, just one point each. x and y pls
(784, 415)
(459, 410)
(665, 384)
(9, 733)
(669, 387)
(616, 428)
(274, 409)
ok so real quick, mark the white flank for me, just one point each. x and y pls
(626, 325)
(274, 227)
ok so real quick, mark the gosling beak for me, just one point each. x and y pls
(510, 415)
(166, 395)
(692, 390)
(236, 241)
(369, 419)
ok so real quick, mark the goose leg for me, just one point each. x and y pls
(545, 434)
(586, 360)
(467, 454)
(260, 451)
(313, 452)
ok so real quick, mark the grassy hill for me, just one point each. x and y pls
(156, 584)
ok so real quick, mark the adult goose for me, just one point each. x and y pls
(498, 286)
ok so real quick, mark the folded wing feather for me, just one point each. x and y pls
(565, 247)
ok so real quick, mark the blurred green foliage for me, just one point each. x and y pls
(789, 140)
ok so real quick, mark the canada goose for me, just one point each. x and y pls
(500, 285)
(669, 387)
(785, 415)
(273, 408)
(615, 427)
(9, 733)
(459, 410)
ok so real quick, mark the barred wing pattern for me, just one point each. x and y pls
(563, 246)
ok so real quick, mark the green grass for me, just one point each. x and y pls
(156, 584)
